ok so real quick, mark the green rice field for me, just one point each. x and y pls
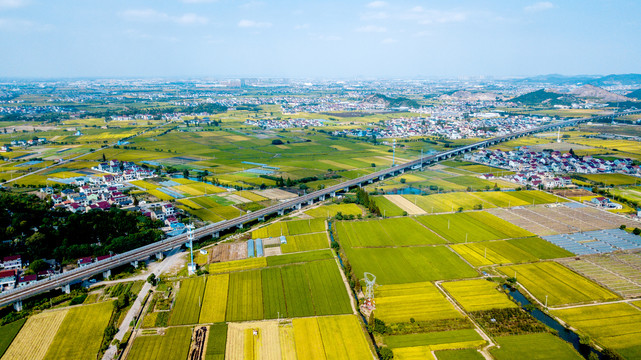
(409, 264)
(387, 232)
(509, 251)
(296, 243)
(472, 226)
(433, 338)
(541, 345)
(188, 301)
(173, 345)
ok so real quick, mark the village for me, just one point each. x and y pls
(452, 127)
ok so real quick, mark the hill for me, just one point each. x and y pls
(636, 94)
(591, 91)
(543, 97)
(392, 102)
(618, 79)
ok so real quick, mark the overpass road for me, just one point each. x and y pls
(64, 279)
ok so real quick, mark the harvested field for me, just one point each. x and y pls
(35, 337)
(405, 204)
(619, 272)
(198, 342)
(543, 220)
(276, 194)
(227, 251)
(287, 343)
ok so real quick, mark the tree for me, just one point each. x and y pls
(104, 158)
(37, 266)
(385, 353)
(186, 174)
(152, 279)
(277, 142)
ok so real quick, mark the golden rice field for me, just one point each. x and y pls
(475, 295)
(421, 301)
(36, 336)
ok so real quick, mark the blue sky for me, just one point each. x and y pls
(334, 39)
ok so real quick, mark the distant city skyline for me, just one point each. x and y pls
(330, 39)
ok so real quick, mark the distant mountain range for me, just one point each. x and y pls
(596, 80)
(470, 96)
(587, 92)
(636, 94)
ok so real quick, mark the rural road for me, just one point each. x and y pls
(172, 260)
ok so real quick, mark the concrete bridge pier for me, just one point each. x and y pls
(281, 212)
(160, 255)
(66, 288)
(321, 198)
(134, 263)
(240, 226)
(106, 274)
(262, 218)
(370, 181)
(216, 235)
(332, 194)
(298, 206)
(17, 306)
(381, 178)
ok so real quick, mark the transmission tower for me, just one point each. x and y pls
(190, 236)
(370, 282)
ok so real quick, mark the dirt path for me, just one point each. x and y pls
(405, 204)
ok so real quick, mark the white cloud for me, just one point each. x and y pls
(376, 4)
(253, 24)
(12, 4)
(22, 25)
(252, 5)
(151, 15)
(389, 41)
(540, 6)
(198, 1)
(377, 15)
(324, 37)
(372, 29)
(301, 26)
(430, 16)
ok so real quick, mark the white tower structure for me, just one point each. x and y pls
(191, 267)
(558, 135)
(394, 152)
(370, 282)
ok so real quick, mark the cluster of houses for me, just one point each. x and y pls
(23, 143)
(89, 197)
(122, 171)
(285, 124)
(528, 162)
(12, 276)
(479, 127)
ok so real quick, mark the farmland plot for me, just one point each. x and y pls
(327, 288)
(214, 303)
(561, 285)
(325, 211)
(8, 332)
(614, 326)
(216, 342)
(492, 252)
(237, 265)
(542, 345)
(173, 345)
(458, 338)
(36, 336)
(308, 340)
(297, 292)
(409, 264)
(296, 243)
(245, 288)
(421, 301)
(387, 232)
(343, 338)
(188, 301)
(273, 294)
(80, 334)
(472, 226)
(475, 295)
(253, 340)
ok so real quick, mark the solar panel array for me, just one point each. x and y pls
(596, 242)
